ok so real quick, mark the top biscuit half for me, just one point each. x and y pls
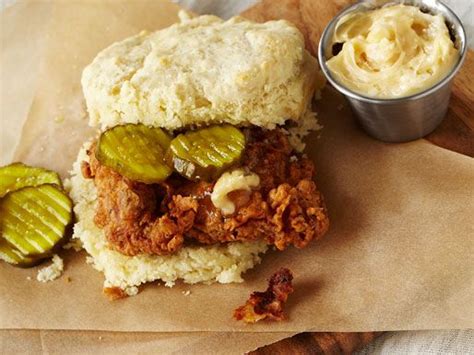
(203, 71)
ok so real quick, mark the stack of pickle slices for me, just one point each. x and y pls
(35, 214)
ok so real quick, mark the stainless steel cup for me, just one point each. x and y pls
(408, 118)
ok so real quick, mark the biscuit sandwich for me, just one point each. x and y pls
(197, 170)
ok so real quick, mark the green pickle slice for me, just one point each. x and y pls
(15, 257)
(18, 175)
(135, 151)
(34, 220)
(205, 153)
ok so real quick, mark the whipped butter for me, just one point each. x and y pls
(392, 52)
(234, 180)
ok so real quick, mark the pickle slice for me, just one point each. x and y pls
(135, 151)
(18, 175)
(13, 256)
(205, 153)
(35, 219)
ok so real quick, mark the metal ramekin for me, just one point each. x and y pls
(408, 118)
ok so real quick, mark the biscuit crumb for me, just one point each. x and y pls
(52, 271)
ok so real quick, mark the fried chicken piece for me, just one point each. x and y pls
(289, 216)
(248, 223)
(140, 218)
(268, 304)
(299, 215)
(287, 209)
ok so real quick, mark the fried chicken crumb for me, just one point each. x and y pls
(186, 293)
(114, 293)
(268, 304)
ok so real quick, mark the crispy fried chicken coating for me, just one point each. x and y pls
(131, 213)
(268, 304)
(286, 209)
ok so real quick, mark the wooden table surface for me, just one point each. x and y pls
(455, 133)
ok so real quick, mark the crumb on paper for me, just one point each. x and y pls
(41, 149)
(114, 293)
(28, 278)
(59, 119)
(68, 279)
(186, 293)
(268, 304)
(131, 291)
(100, 338)
(52, 271)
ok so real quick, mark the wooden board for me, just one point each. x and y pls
(455, 133)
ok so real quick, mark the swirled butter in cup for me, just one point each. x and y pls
(392, 52)
(394, 61)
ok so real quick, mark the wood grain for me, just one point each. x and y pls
(319, 343)
(455, 133)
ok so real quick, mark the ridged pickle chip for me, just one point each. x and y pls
(35, 219)
(18, 175)
(135, 151)
(13, 256)
(205, 153)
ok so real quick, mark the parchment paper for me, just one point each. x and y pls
(398, 255)
(82, 342)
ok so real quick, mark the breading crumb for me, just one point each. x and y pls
(268, 304)
(186, 293)
(52, 271)
(28, 278)
(114, 293)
